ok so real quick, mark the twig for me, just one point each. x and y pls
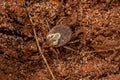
(40, 50)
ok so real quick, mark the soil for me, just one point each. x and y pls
(93, 53)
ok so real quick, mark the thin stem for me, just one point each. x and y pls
(40, 50)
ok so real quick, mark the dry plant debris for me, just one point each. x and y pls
(92, 52)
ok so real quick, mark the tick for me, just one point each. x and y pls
(59, 35)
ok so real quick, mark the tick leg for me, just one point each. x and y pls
(58, 22)
(47, 24)
(54, 51)
(66, 47)
(75, 41)
(73, 18)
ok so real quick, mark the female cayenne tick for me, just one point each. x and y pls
(59, 35)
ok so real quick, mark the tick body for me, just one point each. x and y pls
(59, 35)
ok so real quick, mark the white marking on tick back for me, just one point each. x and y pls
(54, 38)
